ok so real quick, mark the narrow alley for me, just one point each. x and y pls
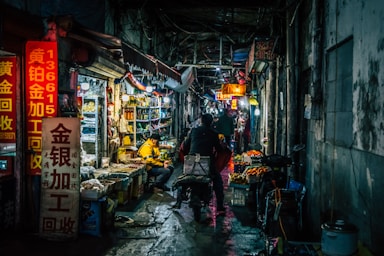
(151, 226)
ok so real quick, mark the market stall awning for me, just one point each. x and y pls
(102, 53)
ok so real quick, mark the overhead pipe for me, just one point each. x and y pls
(137, 84)
(292, 81)
(315, 87)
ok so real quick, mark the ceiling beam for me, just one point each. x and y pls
(205, 66)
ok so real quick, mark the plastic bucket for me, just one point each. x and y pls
(338, 239)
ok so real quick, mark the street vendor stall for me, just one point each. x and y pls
(105, 189)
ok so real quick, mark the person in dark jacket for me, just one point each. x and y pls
(204, 140)
(225, 126)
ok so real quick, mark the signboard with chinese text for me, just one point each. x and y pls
(264, 49)
(221, 96)
(234, 104)
(60, 178)
(234, 89)
(7, 101)
(41, 81)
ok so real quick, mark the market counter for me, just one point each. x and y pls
(123, 182)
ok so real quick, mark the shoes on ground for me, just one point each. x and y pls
(123, 219)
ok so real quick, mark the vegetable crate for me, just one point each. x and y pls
(239, 194)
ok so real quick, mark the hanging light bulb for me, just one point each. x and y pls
(166, 99)
(257, 112)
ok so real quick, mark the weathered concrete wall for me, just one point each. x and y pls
(346, 181)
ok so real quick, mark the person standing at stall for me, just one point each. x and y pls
(161, 170)
(225, 126)
(247, 133)
(204, 140)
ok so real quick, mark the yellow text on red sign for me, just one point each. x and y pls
(41, 94)
(7, 99)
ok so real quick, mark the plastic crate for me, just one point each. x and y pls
(92, 194)
(239, 196)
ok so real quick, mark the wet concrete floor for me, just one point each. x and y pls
(159, 229)
(151, 226)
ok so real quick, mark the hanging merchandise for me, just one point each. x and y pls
(253, 101)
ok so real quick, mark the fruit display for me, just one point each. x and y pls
(254, 153)
(256, 170)
(251, 174)
(255, 173)
(238, 158)
(237, 178)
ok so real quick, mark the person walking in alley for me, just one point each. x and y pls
(225, 126)
(204, 140)
(150, 152)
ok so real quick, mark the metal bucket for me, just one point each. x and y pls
(338, 238)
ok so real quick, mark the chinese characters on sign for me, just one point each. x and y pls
(264, 50)
(60, 179)
(7, 113)
(7, 100)
(41, 95)
(221, 96)
(233, 89)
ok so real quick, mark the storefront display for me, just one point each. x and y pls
(142, 116)
(91, 131)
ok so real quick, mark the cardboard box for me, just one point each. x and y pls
(122, 180)
(137, 187)
(122, 196)
(92, 194)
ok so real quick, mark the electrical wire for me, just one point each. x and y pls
(277, 201)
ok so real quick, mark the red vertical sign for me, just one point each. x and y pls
(7, 100)
(41, 95)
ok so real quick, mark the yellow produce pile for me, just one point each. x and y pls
(237, 178)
